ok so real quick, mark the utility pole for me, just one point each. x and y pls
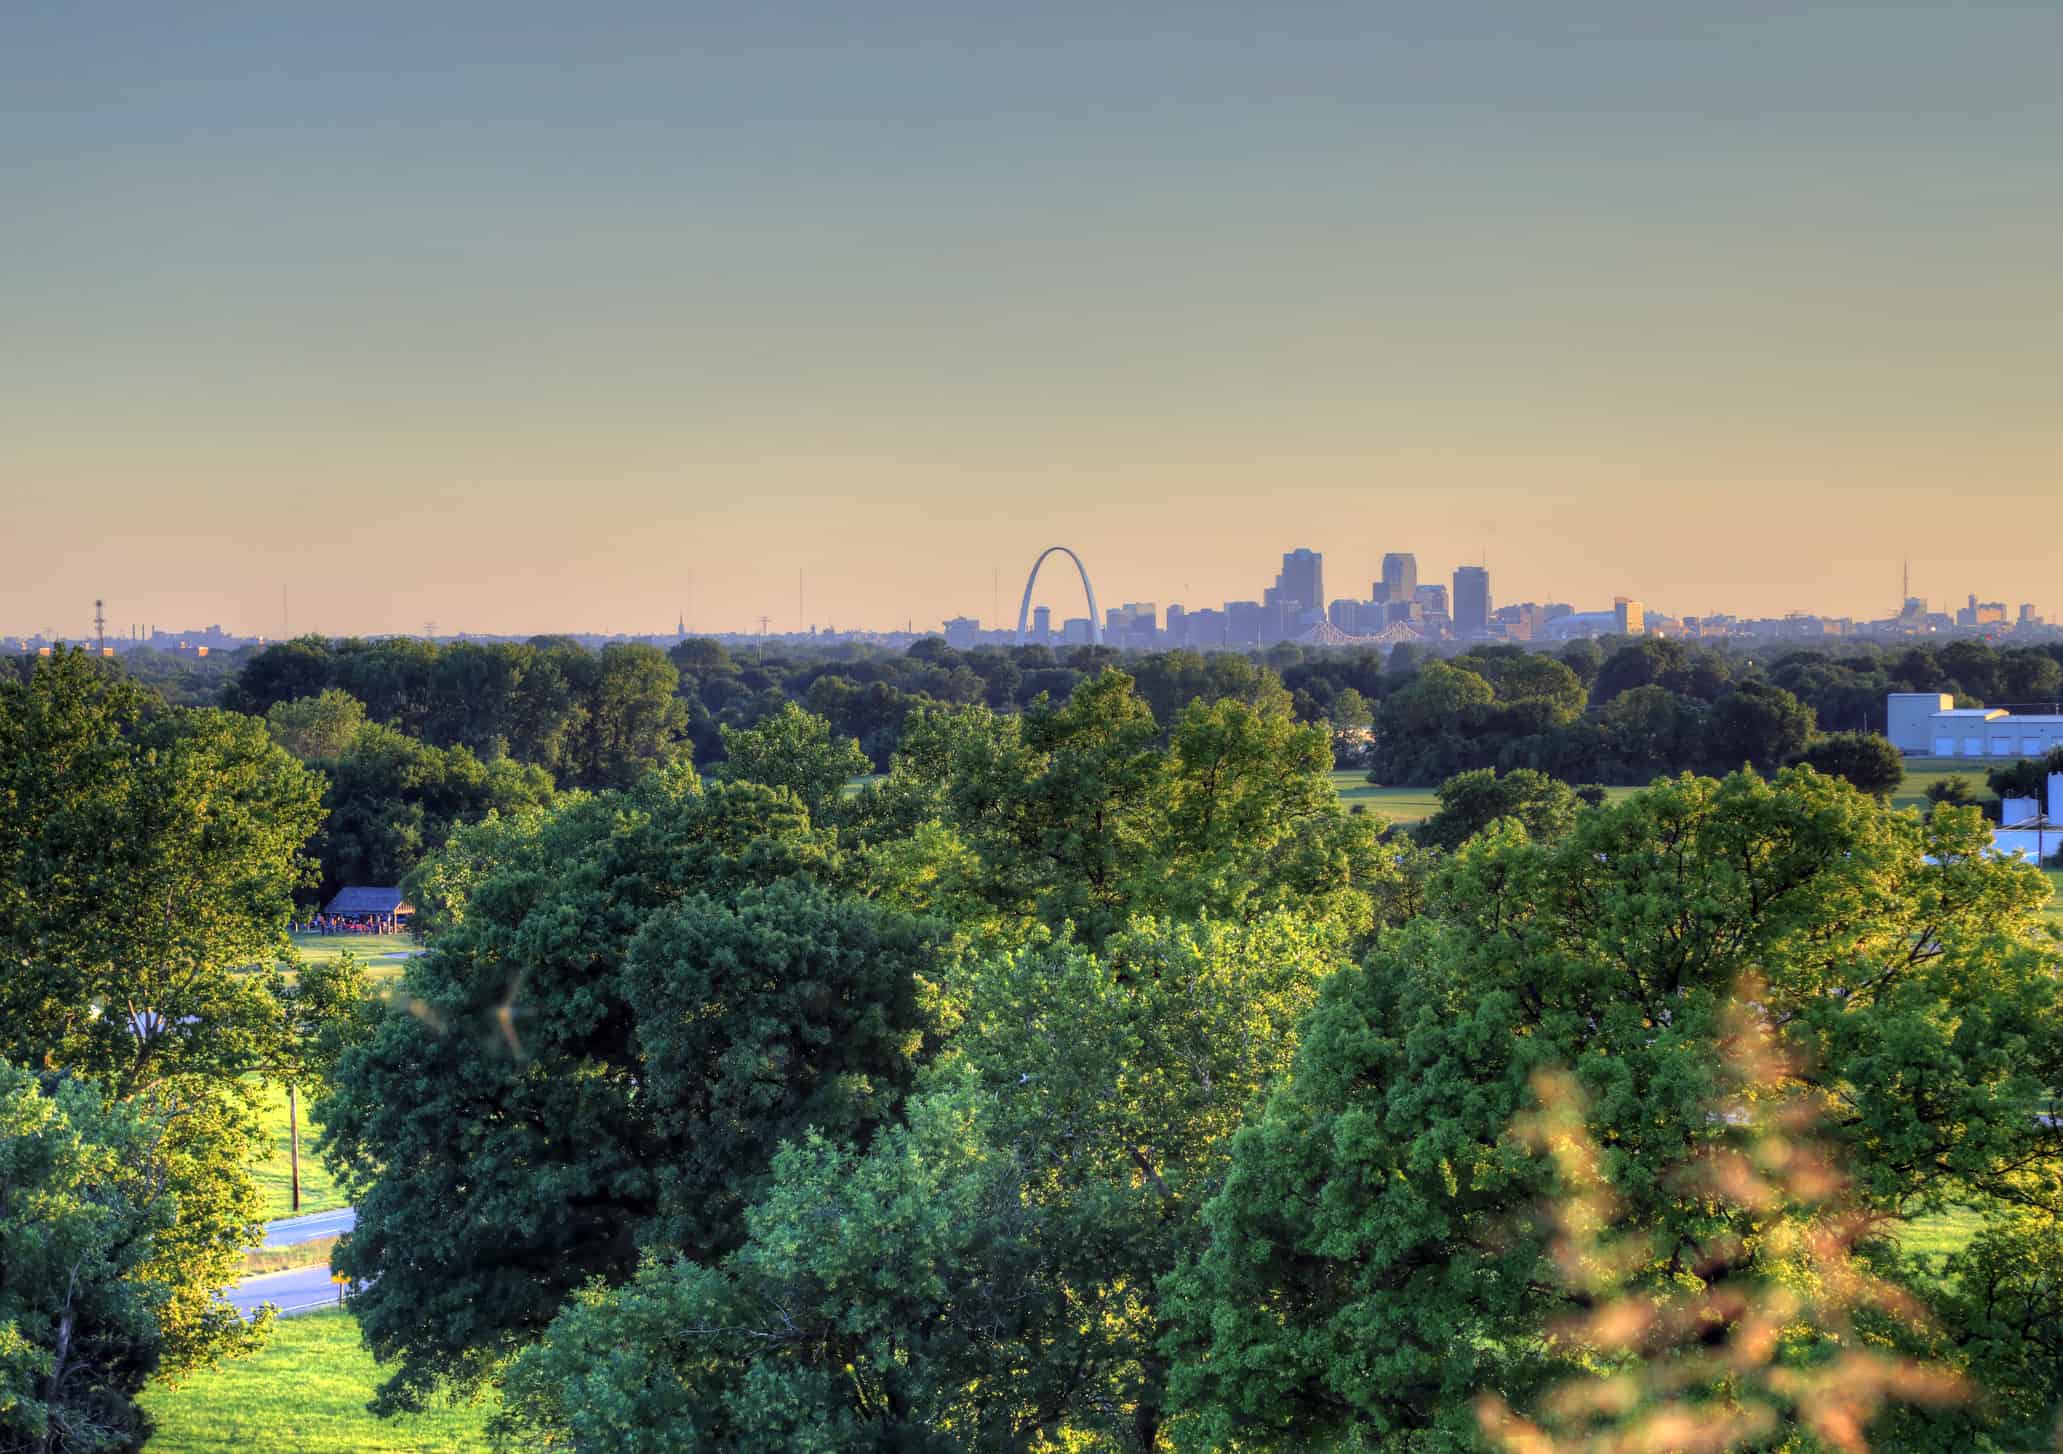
(294, 1141)
(764, 622)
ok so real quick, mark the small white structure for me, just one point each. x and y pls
(2025, 832)
(1930, 724)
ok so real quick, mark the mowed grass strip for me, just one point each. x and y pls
(260, 1260)
(306, 1390)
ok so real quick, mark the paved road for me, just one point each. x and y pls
(297, 1290)
(308, 1227)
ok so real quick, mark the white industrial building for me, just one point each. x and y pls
(1930, 724)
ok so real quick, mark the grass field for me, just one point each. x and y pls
(380, 954)
(1921, 773)
(306, 1391)
(1939, 1235)
(318, 1192)
(2056, 898)
(1406, 807)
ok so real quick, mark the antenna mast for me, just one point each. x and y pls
(100, 625)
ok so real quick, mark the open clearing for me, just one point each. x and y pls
(305, 1390)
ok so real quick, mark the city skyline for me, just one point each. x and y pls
(1058, 599)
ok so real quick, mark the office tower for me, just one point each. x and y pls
(1432, 602)
(1243, 623)
(1205, 627)
(1629, 616)
(1042, 625)
(1174, 624)
(1302, 581)
(1471, 600)
(1346, 616)
(1399, 577)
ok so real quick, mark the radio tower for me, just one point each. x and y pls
(100, 625)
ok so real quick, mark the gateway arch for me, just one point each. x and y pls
(1024, 610)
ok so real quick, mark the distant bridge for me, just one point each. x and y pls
(1024, 610)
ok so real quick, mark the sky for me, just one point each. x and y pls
(523, 317)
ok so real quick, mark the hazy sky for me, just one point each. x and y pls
(523, 316)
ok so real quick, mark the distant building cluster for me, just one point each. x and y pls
(1398, 608)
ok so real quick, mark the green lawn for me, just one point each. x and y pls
(1939, 1235)
(306, 1391)
(2056, 895)
(1406, 807)
(318, 1192)
(381, 955)
(1921, 773)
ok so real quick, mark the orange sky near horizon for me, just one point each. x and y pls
(545, 324)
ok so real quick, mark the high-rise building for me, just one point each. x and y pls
(1432, 603)
(1042, 625)
(1629, 616)
(1471, 600)
(1302, 581)
(1243, 623)
(1399, 577)
(962, 632)
(1205, 627)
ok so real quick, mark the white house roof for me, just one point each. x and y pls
(1980, 714)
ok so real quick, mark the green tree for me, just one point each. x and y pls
(148, 859)
(1955, 792)
(82, 1196)
(393, 800)
(1420, 728)
(1472, 801)
(632, 720)
(982, 1278)
(1370, 1267)
(1863, 758)
(1756, 724)
(602, 1046)
(1652, 730)
(316, 727)
(794, 749)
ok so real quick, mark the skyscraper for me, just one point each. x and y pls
(1471, 600)
(1302, 580)
(1399, 577)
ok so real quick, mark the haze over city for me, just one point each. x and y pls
(521, 323)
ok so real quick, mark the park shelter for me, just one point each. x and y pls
(370, 903)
